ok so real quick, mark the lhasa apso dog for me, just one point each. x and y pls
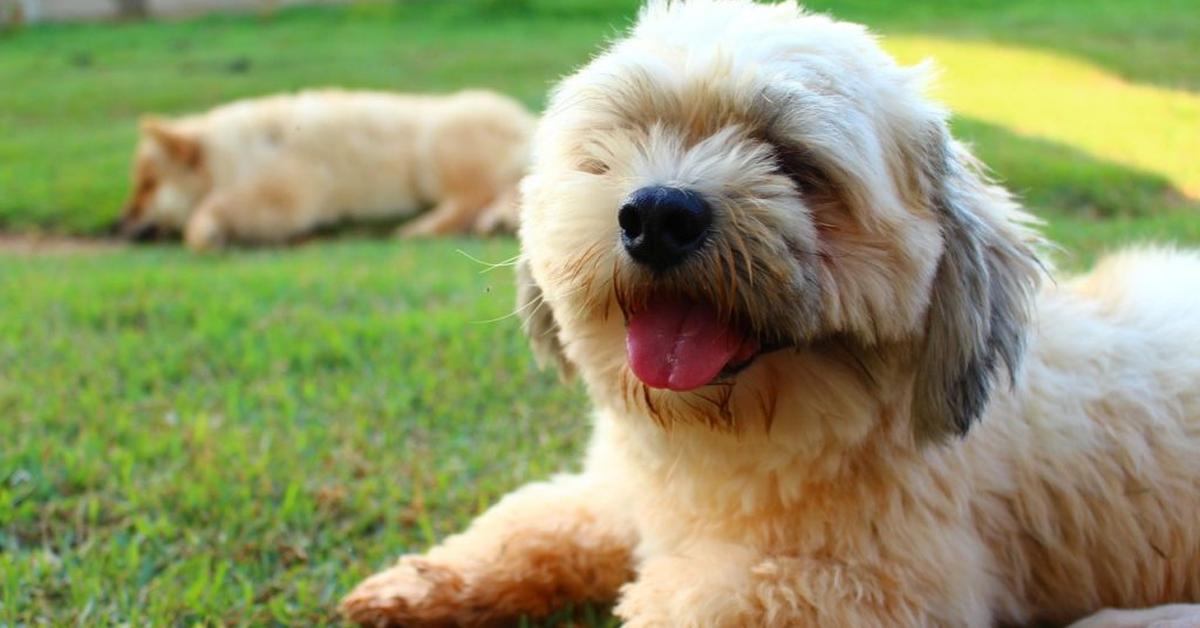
(833, 387)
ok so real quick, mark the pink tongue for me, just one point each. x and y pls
(681, 345)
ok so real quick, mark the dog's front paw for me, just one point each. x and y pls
(685, 600)
(416, 592)
(643, 605)
(203, 233)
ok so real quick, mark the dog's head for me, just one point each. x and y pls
(169, 179)
(737, 190)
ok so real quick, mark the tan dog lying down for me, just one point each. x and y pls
(270, 169)
(834, 385)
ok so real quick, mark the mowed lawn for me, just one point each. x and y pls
(238, 438)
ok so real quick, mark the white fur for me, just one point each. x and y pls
(807, 491)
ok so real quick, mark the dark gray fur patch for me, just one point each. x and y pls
(979, 308)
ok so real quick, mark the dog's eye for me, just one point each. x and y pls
(801, 168)
(592, 166)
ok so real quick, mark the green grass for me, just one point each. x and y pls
(239, 438)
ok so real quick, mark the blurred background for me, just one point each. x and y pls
(64, 10)
(239, 437)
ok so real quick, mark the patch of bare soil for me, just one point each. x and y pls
(37, 244)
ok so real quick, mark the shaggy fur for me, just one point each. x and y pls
(271, 169)
(945, 437)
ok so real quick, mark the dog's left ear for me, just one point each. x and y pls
(981, 294)
(183, 147)
(537, 320)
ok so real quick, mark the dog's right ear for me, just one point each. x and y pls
(982, 294)
(180, 146)
(538, 323)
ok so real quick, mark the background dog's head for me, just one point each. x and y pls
(742, 201)
(169, 180)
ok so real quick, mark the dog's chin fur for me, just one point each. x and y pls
(934, 438)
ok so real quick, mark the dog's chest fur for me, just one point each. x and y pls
(1021, 511)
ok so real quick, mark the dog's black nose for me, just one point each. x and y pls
(660, 226)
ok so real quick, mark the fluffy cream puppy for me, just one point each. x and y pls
(270, 169)
(832, 386)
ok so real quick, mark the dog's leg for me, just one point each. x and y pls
(542, 547)
(727, 584)
(274, 208)
(203, 231)
(501, 215)
(451, 216)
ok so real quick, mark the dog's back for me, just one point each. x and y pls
(1097, 499)
(357, 151)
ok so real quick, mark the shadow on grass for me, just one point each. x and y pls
(1062, 179)
(1089, 206)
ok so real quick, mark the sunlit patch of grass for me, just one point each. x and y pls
(1050, 96)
